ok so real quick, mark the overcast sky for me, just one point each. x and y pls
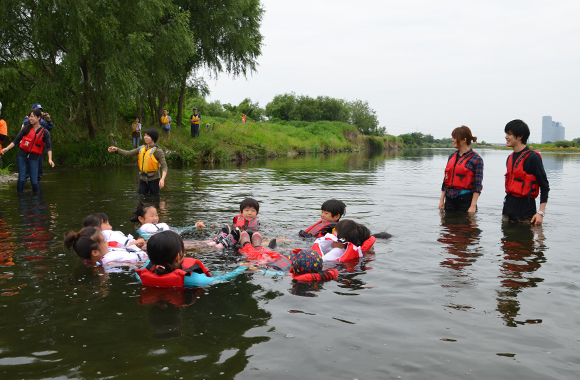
(426, 66)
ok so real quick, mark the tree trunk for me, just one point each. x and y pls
(87, 98)
(180, 102)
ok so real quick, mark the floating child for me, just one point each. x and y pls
(147, 215)
(331, 212)
(115, 239)
(91, 246)
(350, 241)
(247, 221)
(168, 268)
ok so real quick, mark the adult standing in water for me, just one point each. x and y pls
(194, 120)
(525, 178)
(3, 131)
(151, 159)
(48, 125)
(463, 179)
(32, 141)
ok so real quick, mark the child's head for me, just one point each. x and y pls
(145, 213)
(165, 250)
(352, 232)
(332, 210)
(89, 243)
(518, 128)
(249, 208)
(305, 261)
(99, 220)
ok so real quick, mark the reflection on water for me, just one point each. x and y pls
(460, 237)
(523, 254)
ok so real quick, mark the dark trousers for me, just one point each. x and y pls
(151, 186)
(461, 203)
(27, 166)
(519, 209)
(194, 130)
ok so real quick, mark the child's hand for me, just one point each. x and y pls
(250, 266)
(199, 224)
(338, 244)
(139, 242)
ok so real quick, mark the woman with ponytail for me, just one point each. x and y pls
(463, 179)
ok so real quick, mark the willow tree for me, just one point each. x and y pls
(227, 38)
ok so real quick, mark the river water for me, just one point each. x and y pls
(445, 297)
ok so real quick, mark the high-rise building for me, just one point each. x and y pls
(552, 130)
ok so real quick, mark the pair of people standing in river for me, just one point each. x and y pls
(525, 176)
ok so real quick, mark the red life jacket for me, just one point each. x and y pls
(352, 251)
(325, 275)
(169, 280)
(519, 183)
(241, 222)
(32, 142)
(320, 228)
(457, 176)
(258, 253)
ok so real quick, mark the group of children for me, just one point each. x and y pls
(162, 257)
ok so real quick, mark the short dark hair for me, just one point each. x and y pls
(352, 232)
(152, 132)
(250, 202)
(519, 129)
(140, 212)
(334, 207)
(95, 220)
(163, 248)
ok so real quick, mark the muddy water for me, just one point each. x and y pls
(446, 297)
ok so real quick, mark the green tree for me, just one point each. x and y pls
(365, 118)
(281, 106)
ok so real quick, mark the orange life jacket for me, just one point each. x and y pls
(169, 280)
(261, 254)
(325, 275)
(519, 183)
(32, 142)
(319, 229)
(147, 161)
(457, 176)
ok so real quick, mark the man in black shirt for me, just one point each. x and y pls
(525, 178)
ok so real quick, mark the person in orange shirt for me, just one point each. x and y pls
(3, 128)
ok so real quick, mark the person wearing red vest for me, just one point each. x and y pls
(32, 140)
(525, 178)
(247, 220)
(331, 212)
(463, 179)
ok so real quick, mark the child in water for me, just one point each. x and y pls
(331, 212)
(115, 239)
(169, 268)
(91, 246)
(147, 215)
(246, 221)
(346, 245)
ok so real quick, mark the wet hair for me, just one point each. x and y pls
(38, 113)
(463, 132)
(352, 232)
(83, 242)
(152, 132)
(163, 249)
(334, 207)
(519, 129)
(140, 212)
(250, 202)
(95, 220)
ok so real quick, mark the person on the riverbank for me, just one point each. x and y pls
(166, 123)
(91, 246)
(331, 212)
(136, 132)
(115, 239)
(45, 124)
(3, 130)
(525, 178)
(32, 140)
(194, 120)
(463, 179)
(151, 159)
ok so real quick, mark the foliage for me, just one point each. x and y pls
(564, 144)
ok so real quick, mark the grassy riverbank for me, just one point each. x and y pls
(225, 141)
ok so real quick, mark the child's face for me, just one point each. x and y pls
(150, 216)
(327, 216)
(106, 226)
(102, 249)
(249, 213)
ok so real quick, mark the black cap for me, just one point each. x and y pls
(153, 134)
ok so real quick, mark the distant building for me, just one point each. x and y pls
(552, 130)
